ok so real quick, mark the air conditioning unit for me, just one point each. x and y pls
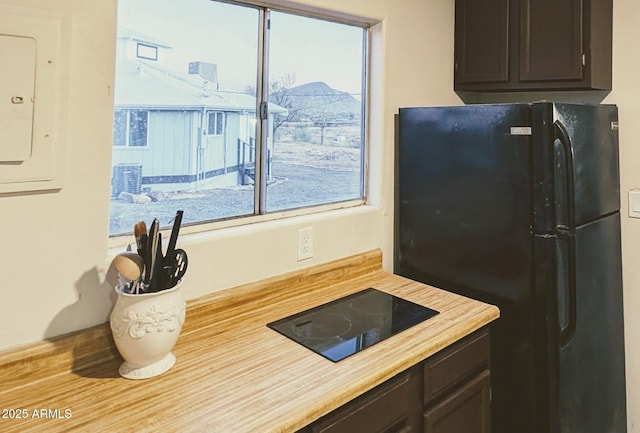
(127, 177)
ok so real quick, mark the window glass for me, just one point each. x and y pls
(120, 128)
(215, 124)
(316, 74)
(219, 123)
(138, 128)
(211, 124)
(169, 161)
(186, 134)
(147, 52)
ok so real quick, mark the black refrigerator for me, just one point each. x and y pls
(518, 205)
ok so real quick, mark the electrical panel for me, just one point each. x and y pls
(32, 98)
(16, 97)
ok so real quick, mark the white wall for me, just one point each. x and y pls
(54, 245)
(626, 94)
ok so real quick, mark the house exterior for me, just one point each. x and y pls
(177, 130)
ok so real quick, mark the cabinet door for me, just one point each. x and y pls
(447, 370)
(390, 408)
(464, 411)
(481, 41)
(551, 40)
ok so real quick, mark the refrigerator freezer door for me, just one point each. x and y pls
(591, 366)
(594, 175)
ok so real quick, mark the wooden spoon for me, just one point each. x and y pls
(130, 265)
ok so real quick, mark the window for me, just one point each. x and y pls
(120, 128)
(250, 110)
(149, 52)
(215, 123)
(130, 128)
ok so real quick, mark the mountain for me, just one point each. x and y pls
(316, 99)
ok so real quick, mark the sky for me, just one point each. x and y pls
(226, 34)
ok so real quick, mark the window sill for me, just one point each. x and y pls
(197, 232)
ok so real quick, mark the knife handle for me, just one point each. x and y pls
(152, 248)
(143, 251)
(174, 233)
(158, 280)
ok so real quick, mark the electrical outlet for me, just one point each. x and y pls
(305, 243)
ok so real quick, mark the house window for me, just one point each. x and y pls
(215, 123)
(148, 52)
(252, 110)
(130, 128)
(120, 128)
(138, 128)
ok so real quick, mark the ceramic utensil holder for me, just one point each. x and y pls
(145, 329)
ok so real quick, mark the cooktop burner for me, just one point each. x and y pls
(350, 324)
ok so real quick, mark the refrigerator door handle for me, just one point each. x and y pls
(565, 227)
(567, 290)
(563, 179)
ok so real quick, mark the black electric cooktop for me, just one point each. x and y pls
(348, 325)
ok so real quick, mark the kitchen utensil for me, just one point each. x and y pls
(129, 264)
(158, 280)
(140, 234)
(174, 236)
(176, 269)
(152, 248)
(142, 245)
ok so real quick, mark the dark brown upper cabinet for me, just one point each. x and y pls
(512, 45)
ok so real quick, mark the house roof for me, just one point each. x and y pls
(130, 34)
(150, 85)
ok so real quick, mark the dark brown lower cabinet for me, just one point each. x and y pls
(457, 387)
(466, 410)
(448, 393)
(388, 408)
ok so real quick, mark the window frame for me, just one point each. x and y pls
(262, 90)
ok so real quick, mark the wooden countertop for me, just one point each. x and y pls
(233, 373)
